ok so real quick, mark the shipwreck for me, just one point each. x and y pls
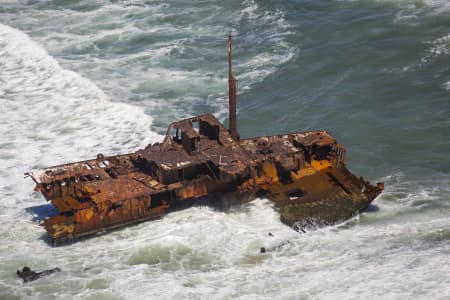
(201, 161)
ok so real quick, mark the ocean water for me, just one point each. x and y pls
(82, 77)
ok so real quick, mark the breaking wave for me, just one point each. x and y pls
(133, 50)
(51, 115)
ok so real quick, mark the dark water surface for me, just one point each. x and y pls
(82, 77)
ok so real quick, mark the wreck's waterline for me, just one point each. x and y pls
(345, 66)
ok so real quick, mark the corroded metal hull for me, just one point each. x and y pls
(303, 173)
(200, 161)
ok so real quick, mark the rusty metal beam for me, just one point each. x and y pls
(232, 94)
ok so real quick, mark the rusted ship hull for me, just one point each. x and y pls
(303, 173)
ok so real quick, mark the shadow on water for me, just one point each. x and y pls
(41, 212)
(47, 239)
(372, 209)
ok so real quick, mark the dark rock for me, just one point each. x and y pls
(29, 275)
(277, 247)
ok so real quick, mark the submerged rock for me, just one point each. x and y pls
(277, 247)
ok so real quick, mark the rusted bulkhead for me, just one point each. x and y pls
(303, 173)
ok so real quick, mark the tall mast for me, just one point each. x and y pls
(232, 96)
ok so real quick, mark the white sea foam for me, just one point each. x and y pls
(441, 46)
(410, 9)
(263, 64)
(50, 114)
(438, 47)
(441, 6)
(253, 12)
